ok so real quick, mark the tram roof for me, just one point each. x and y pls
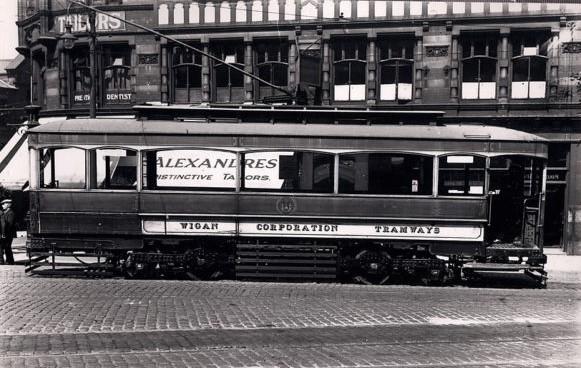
(115, 126)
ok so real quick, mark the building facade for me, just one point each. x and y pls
(510, 63)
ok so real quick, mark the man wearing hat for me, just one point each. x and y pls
(8, 231)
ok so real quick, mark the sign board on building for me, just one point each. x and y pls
(110, 98)
(80, 22)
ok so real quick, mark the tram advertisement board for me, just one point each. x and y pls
(218, 169)
(196, 169)
(380, 230)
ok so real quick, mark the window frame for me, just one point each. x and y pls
(491, 42)
(144, 178)
(181, 52)
(259, 87)
(92, 183)
(529, 59)
(340, 43)
(40, 158)
(332, 176)
(220, 50)
(407, 45)
(485, 170)
(429, 156)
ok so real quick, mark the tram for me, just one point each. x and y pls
(286, 194)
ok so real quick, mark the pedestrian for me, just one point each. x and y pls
(8, 231)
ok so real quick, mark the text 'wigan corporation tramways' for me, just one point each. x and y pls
(298, 229)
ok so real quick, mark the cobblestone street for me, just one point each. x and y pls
(70, 322)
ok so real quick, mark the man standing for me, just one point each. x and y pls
(8, 231)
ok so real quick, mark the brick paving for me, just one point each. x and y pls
(69, 322)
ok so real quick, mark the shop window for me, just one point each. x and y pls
(461, 175)
(529, 65)
(116, 74)
(62, 168)
(396, 66)
(271, 60)
(310, 172)
(115, 169)
(385, 173)
(81, 76)
(479, 61)
(349, 64)
(186, 75)
(190, 170)
(229, 83)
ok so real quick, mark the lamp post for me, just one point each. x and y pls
(69, 42)
(92, 63)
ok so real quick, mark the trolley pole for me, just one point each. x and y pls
(92, 62)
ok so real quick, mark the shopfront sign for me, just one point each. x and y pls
(381, 230)
(110, 98)
(118, 97)
(80, 22)
(557, 176)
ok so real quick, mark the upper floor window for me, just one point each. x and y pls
(349, 69)
(461, 175)
(116, 70)
(529, 65)
(271, 60)
(186, 74)
(229, 83)
(479, 63)
(385, 173)
(396, 64)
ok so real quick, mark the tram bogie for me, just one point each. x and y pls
(288, 201)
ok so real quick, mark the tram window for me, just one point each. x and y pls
(288, 172)
(461, 175)
(62, 168)
(190, 170)
(385, 173)
(116, 169)
(516, 176)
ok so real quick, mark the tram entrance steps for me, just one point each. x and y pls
(286, 262)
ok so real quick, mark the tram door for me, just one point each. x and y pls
(515, 200)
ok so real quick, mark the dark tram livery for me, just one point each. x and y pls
(283, 193)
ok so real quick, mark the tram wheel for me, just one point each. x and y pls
(373, 267)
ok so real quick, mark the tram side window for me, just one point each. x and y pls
(62, 168)
(310, 172)
(190, 170)
(385, 173)
(116, 169)
(516, 176)
(461, 175)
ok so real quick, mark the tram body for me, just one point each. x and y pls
(286, 200)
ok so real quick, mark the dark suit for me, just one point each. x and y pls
(8, 233)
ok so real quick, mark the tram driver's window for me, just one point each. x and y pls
(310, 172)
(116, 169)
(461, 175)
(385, 173)
(62, 168)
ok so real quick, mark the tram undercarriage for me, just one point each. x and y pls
(364, 262)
